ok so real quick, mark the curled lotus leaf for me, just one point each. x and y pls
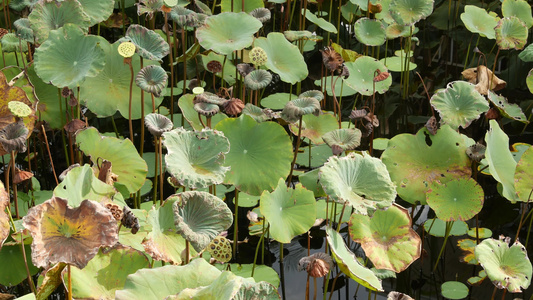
(346, 138)
(317, 264)
(385, 235)
(206, 109)
(507, 267)
(297, 108)
(23, 30)
(262, 14)
(183, 16)
(148, 44)
(157, 124)
(314, 127)
(509, 110)
(200, 217)
(152, 79)
(69, 235)
(51, 15)
(4, 218)
(370, 32)
(228, 32)
(459, 104)
(68, 56)
(11, 43)
(295, 35)
(340, 179)
(255, 112)
(149, 7)
(459, 199)
(398, 296)
(477, 20)
(408, 12)
(196, 159)
(13, 137)
(257, 79)
(318, 95)
(211, 98)
(511, 33)
(362, 76)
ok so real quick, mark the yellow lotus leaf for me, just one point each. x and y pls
(481, 76)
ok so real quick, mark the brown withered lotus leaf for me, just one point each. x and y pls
(74, 125)
(332, 59)
(380, 76)
(6, 296)
(214, 66)
(432, 125)
(211, 98)
(4, 218)
(13, 137)
(316, 265)
(296, 108)
(206, 109)
(245, 69)
(493, 114)
(69, 235)
(3, 32)
(398, 296)
(262, 14)
(116, 20)
(358, 114)
(369, 129)
(157, 124)
(234, 107)
(21, 176)
(481, 76)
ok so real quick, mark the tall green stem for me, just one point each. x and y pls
(289, 180)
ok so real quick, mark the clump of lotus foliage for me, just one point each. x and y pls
(209, 149)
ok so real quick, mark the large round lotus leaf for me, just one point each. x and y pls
(68, 56)
(69, 235)
(348, 263)
(524, 176)
(284, 58)
(437, 227)
(11, 259)
(518, 8)
(362, 73)
(195, 158)
(261, 272)
(511, 33)
(105, 273)
(228, 32)
(340, 178)
(507, 267)
(97, 10)
(454, 290)
(477, 20)
(127, 164)
(414, 161)
(320, 22)
(249, 5)
(459, 199)
(370, 32)
(186, 104)
(167, 280)
(398, 64)
(502, 165)
(49, 15)
(314, 127)
(345, 138)
(48, 107)
(408, 12)
(260, 154)
(199, 217)
(114, 83)
(340, 88)
(310, 181)
(459, 104)
(385, 235)
(80, 184)
(148, 44)
(509, 110)
(289, 212)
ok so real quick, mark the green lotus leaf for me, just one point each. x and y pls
(152, 79)
(524, 176)
(349, 264)
(477, 280)
(127, 164)
(80, 184)
(502, 165)
(167, 280)
(396, 30)
(249, 5)
(69, 235)
(398, 63)
(290, 212)
(12, 43)
(310, 181)
(277, 101)
(114, 83)
(47, 16)
(362, 75)
(257, 79)
(346, 138)
(284, 58)
(295, 35)
(315, 127)
(206, 109)
(196, 159)
(526, 55)
(459, 104)
(318, 95)
(408, 12)
(518, 8)
(509, 110)
(186, 104)
(414, 161)
(97, 10)
(370, 32)
(200, 217)
(261, 13)
(482, 233)
(459, 199)
(340, 88)
(148, 44)
(12, 259)
(228, 32)
(340, 180)
(507, 267)
(183, 16)
(477, 20)
(511, 33)
(261, 272)
(157, 124)
(295, 109)
(385, 235)
(49, 106)
(315, 156)
(19, 5)
(320, 22)
(437, 227)
(255, 112)
(256, 164)
(454, 290)
(105, 273)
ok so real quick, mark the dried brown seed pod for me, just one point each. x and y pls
(66, 92)
(234, 106)
(332, 59)
(476, 152)
(374, 8)
(115, 210)
(129, 220)
(316, 265)
(432, 125)
(214, 66)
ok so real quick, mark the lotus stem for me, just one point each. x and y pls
(449, 225)
(340, 218)
(524, 209)
(186, 251)
(30, 280)
(335, 102)
(14, 184)
(333, 285)
(22, 54)
(69, 282)
(49, 154)
(141, 150)
(236, 224)
(131, 95)
(295, 152)
(222, 82)
(329, 17)
(307, 287)
(493, 70)
(160, 147)
(282, 270)
(171, 64)
(154, 200)
(257, 251)
(184, 48)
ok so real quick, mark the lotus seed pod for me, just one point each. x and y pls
(126, 49)
(258, 56)
(332, 59)
(19, 109)
(220, 249)
(214, 66)
(476, 152)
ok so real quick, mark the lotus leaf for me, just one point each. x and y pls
(408, 12)
(105, 273)
(196, 159)
(320, 22)
(398, 63)
(437, 227)
(4, 218)
(507, 267)
(114, 83)
(64, 234)
(256, 164)
(315, 156)
(362, 75)
(310, 181)
(152, 79)
(210, 98)
(12, 43)
(318, 95)
(459, 104)
(48, 107)
(157, 124)
(257, 79)
(148, 44)
(509, 110)
(396, 30)
(341, 89)
(277, 101)
(261, 272)
(297, 108)
(186, 104)
(370, 32)
(526, 55)
(384, 236)
(13, 138)
(127, 164)
(454, 290)
(261, 13)
(349, 264)
(468, 246)
(518, 8)
(50, 281)
(12, 259)
(482, 77)
(341, 179)
(459, 199)
(482, 233)
(284, 58)
(255, 112)
(477, 20)
(346, 138)
(414, 161)
(293, 35)
(249, 5)
(183, 16)
(97, 10)
(19, 5)
(47, 16)
(315, 127)
(228, 32)
(68, 56)
(289, 212)
(524, 176)
(511, 33)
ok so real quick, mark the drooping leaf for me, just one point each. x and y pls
(509, 110)
(97, 10)
(320, 22)
(148, 44)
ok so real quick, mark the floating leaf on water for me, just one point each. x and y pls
(454, 290)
